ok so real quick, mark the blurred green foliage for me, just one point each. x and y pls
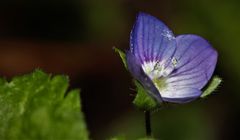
(122, 138)
(34, 107)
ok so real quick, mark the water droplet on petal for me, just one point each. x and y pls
(174, 61)
(168, 34)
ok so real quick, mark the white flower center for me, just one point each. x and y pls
(158, 71)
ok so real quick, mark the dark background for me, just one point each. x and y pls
(76, 37)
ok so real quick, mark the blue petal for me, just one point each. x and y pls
(136, 70)
(196, 61)
(181, 95)
(151, 39)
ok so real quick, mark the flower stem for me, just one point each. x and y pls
(148, 123)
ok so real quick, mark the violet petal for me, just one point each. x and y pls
(151, 39)
(196, 61)
(182, 95)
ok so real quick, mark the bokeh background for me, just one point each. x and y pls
(76, 37)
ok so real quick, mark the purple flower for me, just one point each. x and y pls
(171, 69)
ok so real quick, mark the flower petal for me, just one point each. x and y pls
(182, 95)
(196, 61)
(136, 70)
(151, 39)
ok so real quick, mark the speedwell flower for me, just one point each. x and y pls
(171, 69)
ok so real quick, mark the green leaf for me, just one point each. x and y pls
(34, 107)
(122, 55)
(142, 100)
(212, 86)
